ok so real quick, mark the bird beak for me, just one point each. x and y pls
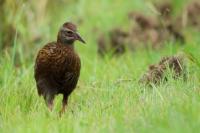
(78, 37)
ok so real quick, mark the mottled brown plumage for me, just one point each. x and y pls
(57, 66)
(157, 72)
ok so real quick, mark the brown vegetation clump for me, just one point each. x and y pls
(143, 21)
(193, 11)
(168, 25)
(145, 31)
(114, 43)
(165, 9)
(118, 41)
(102, 45)
(176, 34)
(157, 72)
(155, 30)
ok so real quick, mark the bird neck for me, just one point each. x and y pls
(69, 44)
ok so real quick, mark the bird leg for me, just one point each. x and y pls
(49, 101)
(64, 104)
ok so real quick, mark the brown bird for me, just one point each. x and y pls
(57, 66)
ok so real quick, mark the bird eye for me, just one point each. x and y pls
(69, 32)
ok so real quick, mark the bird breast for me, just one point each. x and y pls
(58, 59)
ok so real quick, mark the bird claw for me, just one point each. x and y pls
(61, 112)
(50, 106)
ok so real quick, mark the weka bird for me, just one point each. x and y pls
(57, 66)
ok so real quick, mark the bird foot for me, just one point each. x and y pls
(50, 106)
(62, 111)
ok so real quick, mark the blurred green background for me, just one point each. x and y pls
(108, 97)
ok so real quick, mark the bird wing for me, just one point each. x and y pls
(45, 57)
(71, 72)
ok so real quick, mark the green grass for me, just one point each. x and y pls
(108, 97)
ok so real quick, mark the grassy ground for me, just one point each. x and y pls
(108, 97)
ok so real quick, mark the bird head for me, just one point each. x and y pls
(68, 34)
